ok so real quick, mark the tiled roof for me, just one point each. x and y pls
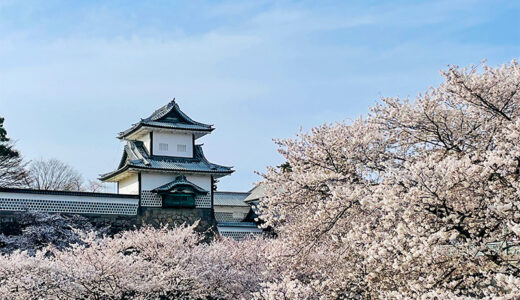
(256, 193)
(168, 116)
(135, 156)
(180, 181)
(176, 125)
(230, 199)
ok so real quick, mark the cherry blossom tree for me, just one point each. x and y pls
(35, 230)
(144, 264)
(418, 198)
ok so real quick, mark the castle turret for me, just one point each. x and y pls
(162, 163)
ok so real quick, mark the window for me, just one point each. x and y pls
(163, 147)
(178, 200)
(181, 148)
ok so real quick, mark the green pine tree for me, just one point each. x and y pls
(12, 167)
(6, 149)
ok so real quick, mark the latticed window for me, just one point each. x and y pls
(178, 200)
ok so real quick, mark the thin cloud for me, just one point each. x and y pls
(256, 71)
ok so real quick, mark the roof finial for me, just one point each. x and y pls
(173, 100)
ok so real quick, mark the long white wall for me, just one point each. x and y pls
(129, 185)
(174, 142)
(81, 203)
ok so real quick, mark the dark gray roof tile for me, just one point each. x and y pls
(180, 181)
(135, 156)
(168, 116)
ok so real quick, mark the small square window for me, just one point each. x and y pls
(163, 147)
(181, 148)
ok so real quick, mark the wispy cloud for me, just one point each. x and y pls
(257, 70)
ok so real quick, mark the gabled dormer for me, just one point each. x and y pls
(167, 132)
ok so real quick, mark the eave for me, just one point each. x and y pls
(199, 132)
(117, 175)
(114, 176)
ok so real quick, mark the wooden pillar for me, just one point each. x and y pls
(212, 186)
(151, 142)
(193, 145)
(140, 187)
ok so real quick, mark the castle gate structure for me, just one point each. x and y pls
(163, 178)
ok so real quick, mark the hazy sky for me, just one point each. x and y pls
(73, 74)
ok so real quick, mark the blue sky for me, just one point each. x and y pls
(75, 73)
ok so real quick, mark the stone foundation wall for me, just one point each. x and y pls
(154, 216)
(177, 216)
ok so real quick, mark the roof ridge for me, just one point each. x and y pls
(163, 111)
(176, 105)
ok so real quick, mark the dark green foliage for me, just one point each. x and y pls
(3, 132)
(6, 149)
(12, 168)
(285, 167)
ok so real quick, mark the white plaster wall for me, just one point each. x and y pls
(150, 181)
(204, 181)
(146, 141)
(173, 139)
(129, 185)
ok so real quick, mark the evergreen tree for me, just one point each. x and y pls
(12, 168)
